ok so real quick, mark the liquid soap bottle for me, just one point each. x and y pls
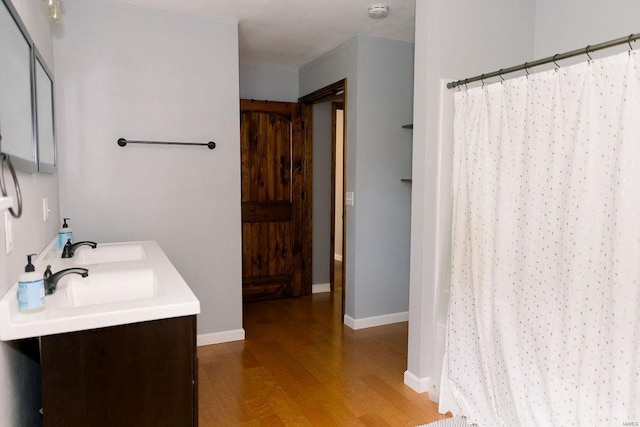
(30, 289)
(65, 234)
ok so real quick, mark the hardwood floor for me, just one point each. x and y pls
(300, 366)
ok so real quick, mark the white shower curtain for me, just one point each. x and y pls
(544, 315)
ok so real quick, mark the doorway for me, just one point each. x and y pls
(275, 212)
(324, 112)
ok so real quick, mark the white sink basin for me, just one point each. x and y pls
(106, 287)
(106, 253)
(128, 282)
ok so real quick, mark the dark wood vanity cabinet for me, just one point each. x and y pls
(141, 374)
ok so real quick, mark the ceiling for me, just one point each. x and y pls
(291, 33)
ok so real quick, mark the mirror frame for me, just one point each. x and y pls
(34, 164)
(43, 166)
(22, 164)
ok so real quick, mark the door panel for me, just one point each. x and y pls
(273, 183)
(266, 143)
(268, 249)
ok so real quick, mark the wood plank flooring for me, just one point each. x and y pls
(299, 366)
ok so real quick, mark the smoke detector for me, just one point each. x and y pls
(378, 11)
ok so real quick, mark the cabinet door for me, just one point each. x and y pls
(141, 374)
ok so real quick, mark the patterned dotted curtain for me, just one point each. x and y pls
(544, 316)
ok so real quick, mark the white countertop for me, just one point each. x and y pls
(172, 296)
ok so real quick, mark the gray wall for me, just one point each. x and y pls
(268, 82)
(19, 369)
(160, 76)
(571, 24)
(385, 97)
(454, 40)
(379, 76)
(321, 193)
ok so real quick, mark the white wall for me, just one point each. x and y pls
(379, 76)
(454, 40)
(19, 370)
(258, 81)
(128, 71)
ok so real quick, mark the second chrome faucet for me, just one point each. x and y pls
(70, 248)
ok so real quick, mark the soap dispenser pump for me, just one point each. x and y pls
(65, 234)
(30, 289)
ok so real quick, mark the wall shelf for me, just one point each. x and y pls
(406, 180)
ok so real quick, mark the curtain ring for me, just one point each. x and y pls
(586, 51)
(482, 79)
(629, 41)
(526, 70)
(5, 159)
(500, 75)
(554, 60)
(466, 84)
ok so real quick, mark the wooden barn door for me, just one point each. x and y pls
(274, 210)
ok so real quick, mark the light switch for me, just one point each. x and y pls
(348, 198)
(8, 232)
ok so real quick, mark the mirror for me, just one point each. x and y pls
(16, 102)
(45, 128)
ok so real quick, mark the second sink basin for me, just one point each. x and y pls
(107, 253)
(103, 287)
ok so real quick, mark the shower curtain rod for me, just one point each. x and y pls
(554, 58)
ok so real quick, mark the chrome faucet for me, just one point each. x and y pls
(70, 248)
(51, 279)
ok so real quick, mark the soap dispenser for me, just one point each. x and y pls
(65, 234)
(30, 289)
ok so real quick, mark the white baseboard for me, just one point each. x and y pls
(337, 257)
(420, 385)
(317, 288)
(220, 337)
(370, 322)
